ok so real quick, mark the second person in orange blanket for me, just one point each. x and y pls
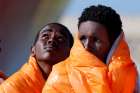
(100, 32)
(99, 61)
(52, 45)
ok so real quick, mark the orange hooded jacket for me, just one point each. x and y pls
(83, 72)
(28, 79)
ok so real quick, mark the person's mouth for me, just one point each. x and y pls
(49, 48)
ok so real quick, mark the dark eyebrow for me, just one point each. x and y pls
(46, 30)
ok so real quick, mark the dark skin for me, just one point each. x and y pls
(95, 39)
(51, 47)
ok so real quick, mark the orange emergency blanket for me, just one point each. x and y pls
(83, 72)
(28, 79)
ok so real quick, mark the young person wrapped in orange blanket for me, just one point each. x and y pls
(52, 45)
(99, 61)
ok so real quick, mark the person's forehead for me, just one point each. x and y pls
(91, 24)
(91, 27)
(54, 27)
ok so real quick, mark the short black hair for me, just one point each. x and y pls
(105, 16)
(64, 28)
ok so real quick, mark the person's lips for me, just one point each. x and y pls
(50, 48)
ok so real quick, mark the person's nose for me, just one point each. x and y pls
(87, 44)
(51, 39)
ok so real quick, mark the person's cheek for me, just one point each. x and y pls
(98, 46)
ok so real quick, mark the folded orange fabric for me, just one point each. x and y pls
(28, 79)
(83, 72)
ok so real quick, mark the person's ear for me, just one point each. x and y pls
(33, 51)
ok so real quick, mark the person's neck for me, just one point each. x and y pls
(45, 69)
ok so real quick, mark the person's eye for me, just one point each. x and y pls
(82, 38)
(60, 39)
(98, 40)
(45, 36)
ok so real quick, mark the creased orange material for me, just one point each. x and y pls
(28, 79)
(122, 71)
(82, 72)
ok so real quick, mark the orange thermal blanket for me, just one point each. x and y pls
(83, 72)
(28, 79)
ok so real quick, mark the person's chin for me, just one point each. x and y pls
(49, 56)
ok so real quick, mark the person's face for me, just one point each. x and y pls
(94, 38)
(52, 45)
